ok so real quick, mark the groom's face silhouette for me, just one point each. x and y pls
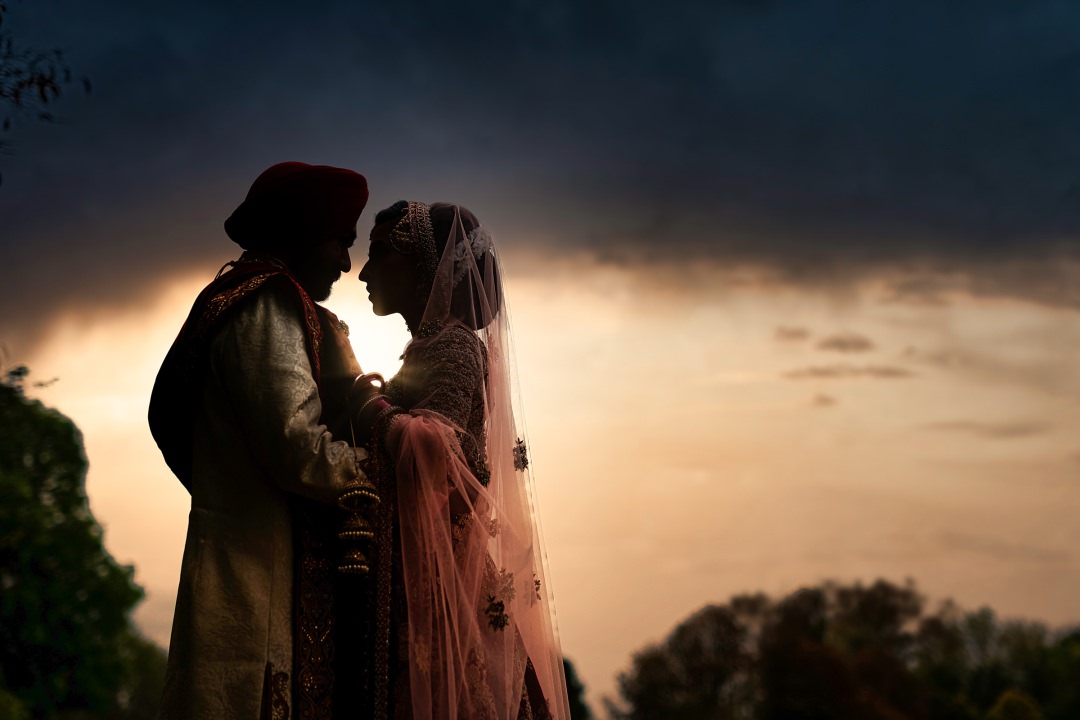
(317, 266)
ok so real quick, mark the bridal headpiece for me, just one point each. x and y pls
(413, 235)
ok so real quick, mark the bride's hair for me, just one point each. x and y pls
(393, 213)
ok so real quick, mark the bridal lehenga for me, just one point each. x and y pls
(455, 618)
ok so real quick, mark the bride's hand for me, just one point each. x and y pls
(367, 399)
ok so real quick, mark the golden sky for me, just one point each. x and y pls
(692, 441)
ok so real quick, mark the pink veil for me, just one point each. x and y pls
(482, 635)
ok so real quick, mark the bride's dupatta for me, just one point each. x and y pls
(482, 639)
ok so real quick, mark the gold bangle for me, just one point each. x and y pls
(370, 378)
(373, 398)
(387, 415)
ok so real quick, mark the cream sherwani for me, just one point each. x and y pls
(257, 445)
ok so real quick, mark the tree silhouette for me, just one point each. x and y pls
(579, 709)
(699, 672)
(67, 644)
(837, 652)
(31, 80)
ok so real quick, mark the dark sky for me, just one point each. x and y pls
(825, 140)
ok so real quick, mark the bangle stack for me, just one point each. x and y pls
(373, 398)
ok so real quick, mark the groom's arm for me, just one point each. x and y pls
(261, 358)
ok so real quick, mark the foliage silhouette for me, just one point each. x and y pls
(31, 80)
(837, 652)
(67, 644)
(579, 709)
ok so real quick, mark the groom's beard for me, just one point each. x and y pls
(317, 287)
(321, 290)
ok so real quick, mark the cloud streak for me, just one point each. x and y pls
(1001, 548)
(792, 334)
(846, 343)
(850, 372)
(994, 430)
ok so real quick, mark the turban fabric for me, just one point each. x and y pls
(293, 203)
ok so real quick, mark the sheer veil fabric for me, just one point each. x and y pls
(481, 621)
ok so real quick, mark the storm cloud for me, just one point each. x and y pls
(931, 144)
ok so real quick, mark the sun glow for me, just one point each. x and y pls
(377, 341)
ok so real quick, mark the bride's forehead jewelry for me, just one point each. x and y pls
(413, 235)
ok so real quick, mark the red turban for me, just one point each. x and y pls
(293, 202)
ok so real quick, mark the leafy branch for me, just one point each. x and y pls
(31, 80)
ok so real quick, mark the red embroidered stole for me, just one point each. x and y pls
(175, 397)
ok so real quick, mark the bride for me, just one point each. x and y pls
(460, 616)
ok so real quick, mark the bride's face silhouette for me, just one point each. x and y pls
(392, 278)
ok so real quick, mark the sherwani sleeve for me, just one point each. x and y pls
(261, 360)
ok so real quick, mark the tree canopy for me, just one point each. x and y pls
(575, 690)
(67, 643)
(851, 652)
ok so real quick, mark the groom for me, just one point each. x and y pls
(238, 412)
